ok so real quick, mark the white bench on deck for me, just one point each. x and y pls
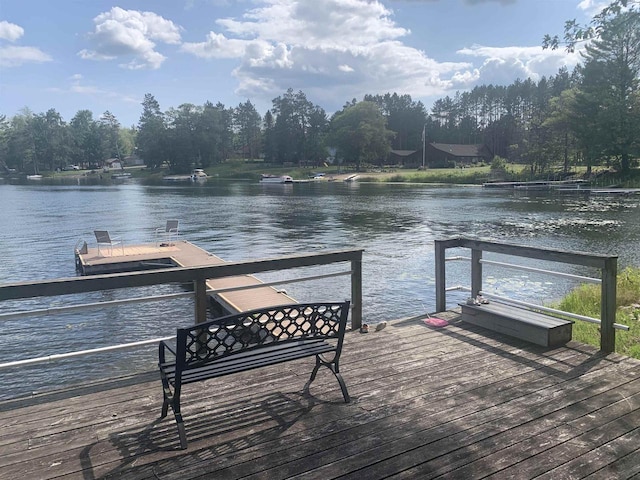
(519, 322)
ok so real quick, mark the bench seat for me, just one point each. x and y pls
(249, 359)
(518, 322)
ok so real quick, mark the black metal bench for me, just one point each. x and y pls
(249, 340)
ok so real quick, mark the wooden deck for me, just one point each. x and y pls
(182, 254)
(456, 402)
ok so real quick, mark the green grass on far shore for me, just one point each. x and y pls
(243, 170)
(585, 300)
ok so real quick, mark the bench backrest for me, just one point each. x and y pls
(232, 334)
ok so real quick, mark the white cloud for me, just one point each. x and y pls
(10, 31)
(218, 46)
(501, 65)
(592, 7)
(130, 35)
(336, 49)
(14, 56)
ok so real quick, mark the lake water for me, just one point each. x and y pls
(395, 224)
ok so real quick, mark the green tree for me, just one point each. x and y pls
(360, 134)
(50, 140)
(605, 112)
(181, 138)
(20, 145)
(150, 141)
(127, 140)
(292, 112)
(611, 78)
(316, 149)
(86, 140)
(269, 144)
(213, 134)
(559, 124)
(404, 116)
(246, 121)
(111, 134)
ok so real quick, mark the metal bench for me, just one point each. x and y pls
(249, 340)
(519, 322)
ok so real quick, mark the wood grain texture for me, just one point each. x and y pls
(452, 402)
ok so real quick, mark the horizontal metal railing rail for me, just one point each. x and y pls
(542, 308)
(528, 269)
(78, 353)
(198, 276)
(606, 264)
(571, 276)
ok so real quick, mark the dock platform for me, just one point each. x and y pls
(180, 253)
(456, 402)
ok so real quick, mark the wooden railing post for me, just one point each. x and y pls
(441, 292)
(476, 272)
(608, 305)
(201, 300)
(356, 292)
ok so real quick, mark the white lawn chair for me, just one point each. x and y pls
(168, 234)
(104, 239)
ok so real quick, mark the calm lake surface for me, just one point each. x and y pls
(395, 224)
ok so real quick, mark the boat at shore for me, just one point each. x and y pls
(121, 176)
(198, 175)
(351, 178)
(268, 178)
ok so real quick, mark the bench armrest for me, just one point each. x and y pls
(162, 348)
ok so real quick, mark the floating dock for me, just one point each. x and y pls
(181, 253)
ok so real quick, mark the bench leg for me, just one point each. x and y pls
(333, 366)
(173, 401)
(181, 431)
(165, 408)
(166, 395)
(343, 386)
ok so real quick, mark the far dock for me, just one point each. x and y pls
(181, 253)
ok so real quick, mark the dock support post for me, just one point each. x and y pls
(441, 293)
(608, 305)
(200, 290)
(356, 292)
(476, 272)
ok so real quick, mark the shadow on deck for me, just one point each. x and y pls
(453, 402)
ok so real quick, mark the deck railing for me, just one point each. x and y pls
(195, 275)
(608, 266)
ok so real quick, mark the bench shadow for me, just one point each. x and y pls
(224, 429)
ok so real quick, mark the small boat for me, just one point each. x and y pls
(351, 178)
(34, 177)
(198, 175)
(120, 176)
(267, 178)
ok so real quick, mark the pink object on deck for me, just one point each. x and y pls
(435, 322)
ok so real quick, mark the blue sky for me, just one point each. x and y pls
(99, 55)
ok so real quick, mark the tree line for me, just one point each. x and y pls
(585, 117)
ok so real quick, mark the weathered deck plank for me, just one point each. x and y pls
(456, 402)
